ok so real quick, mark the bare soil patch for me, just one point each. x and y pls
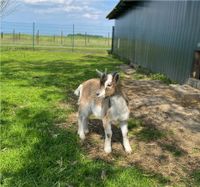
(168, 140)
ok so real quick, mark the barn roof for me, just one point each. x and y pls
(121, 7)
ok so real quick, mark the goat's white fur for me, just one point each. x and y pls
(118, 111)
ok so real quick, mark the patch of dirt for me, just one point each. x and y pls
(167, 139)
(173, 112)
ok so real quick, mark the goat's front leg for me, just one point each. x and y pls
(108, 135)
(124, 129)
(86, 130)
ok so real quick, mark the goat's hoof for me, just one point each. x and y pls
(82, 136)
(128, 149)
(108, 150)
(86, 131)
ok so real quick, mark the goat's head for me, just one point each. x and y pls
(108, 84)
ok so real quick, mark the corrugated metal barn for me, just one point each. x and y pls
(160, 35)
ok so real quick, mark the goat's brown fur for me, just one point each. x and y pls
(109, 105)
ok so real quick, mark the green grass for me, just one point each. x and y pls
(196, 176)
(35, 149)
(144, 73)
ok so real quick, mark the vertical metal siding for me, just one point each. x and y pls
(160, 35)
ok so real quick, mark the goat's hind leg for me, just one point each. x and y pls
(82, 125)
(108, 135)
(83, 114)
(124, 129)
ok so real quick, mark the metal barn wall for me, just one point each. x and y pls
(160, 35)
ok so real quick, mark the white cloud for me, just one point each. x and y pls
(91, 16)
(84, 8)
(43, 1)
(48, 10)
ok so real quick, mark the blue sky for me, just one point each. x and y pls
(82, 13)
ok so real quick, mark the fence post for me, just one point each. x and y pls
(33, 35)
(13, 35)
(61, 37)
(85, 37)
(73, 39)
(1, 35)
(19, 36)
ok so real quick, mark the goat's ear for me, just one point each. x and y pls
(116, 77)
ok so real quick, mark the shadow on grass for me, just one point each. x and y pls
(47, 154)
(150, 133)
(65, 74)
(52, 159)
(96, 126)
(55, 158)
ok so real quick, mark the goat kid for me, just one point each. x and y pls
(105, 100)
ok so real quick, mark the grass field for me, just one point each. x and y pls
(39, 145)
(78, 41)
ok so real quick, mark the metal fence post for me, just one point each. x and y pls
(13, 35)
(33, 35)
(61, 37)
(85, 37)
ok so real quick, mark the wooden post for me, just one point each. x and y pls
(196, 65)
(1, 35)
(19, 36)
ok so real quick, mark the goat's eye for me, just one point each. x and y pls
(109, 85)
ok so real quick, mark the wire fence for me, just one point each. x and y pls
(72, 37)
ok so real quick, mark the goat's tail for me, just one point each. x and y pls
(78, 91)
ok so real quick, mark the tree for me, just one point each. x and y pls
(7, 7)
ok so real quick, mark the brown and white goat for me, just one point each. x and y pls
(104, 99)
